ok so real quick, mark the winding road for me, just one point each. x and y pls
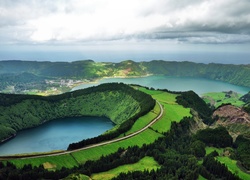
(90, 146)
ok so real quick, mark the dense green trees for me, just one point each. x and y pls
(218, 137)
(213, 169)
(192, 100)
(242, 150)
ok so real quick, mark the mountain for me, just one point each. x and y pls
(88, 69)
(119, 102)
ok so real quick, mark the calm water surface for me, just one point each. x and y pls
(198, 85)
(55, 135)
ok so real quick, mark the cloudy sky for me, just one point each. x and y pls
(114, 30)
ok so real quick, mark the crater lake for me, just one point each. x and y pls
(55, 135)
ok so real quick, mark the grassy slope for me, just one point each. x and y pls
(145, 163)
(147, 137)
(231, 164)
(172, 110)
(219, 98)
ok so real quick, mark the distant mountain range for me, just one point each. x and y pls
(88, 69)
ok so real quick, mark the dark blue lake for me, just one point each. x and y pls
(56, 135)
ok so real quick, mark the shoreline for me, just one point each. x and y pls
(7, 139)
(97, 80)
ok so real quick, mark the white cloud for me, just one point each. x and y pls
(83, 21)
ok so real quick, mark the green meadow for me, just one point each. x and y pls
(146, 163)
(219, 98)
(231, 164)
(172, 110)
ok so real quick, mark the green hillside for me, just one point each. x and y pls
(12, 72)
(170, 147)
(119, 102)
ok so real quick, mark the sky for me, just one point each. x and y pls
(115, 30)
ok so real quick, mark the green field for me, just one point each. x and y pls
(146, 163)
(219, 98)
(146, 137)
(231, 164)
(172, 110)
(211, 149)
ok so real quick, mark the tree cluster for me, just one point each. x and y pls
(218, 137)
(242, 145)
(213, 169)
(191, 100)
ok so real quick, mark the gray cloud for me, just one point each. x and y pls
(75, 21)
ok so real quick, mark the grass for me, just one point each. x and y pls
(172, 111)
(219, 98)
(211, 149)
(58, 161)
(144, 120)
(231, 164)
(201, 178)
(146, 137)
(146, 163)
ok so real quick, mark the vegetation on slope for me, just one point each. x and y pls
(216, 99)
(235, 74)
(88, 69)
(176, 151)
(218, 137)
(242, 150)
(118, 102)
(192, 100)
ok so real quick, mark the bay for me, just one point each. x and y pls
(55, 135)
(198, 85)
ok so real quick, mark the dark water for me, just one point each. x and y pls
(55, 135)
(199, 85)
